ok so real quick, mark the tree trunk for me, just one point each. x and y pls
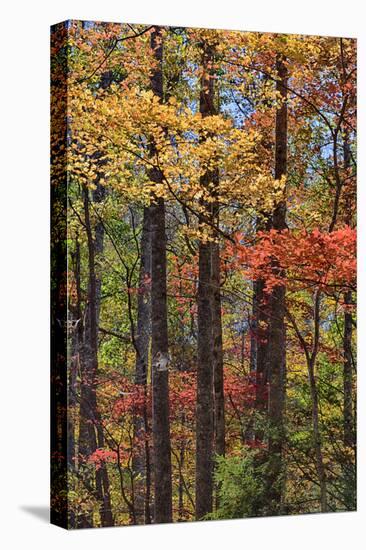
(348, 416)
(91, 432)
(76, 329)
(142, 342)
(218, 356)
(142, 339)
(205, 403)
(218, 364)
(348, 421)
(349, 434)
(317, 439)
(160, 361)
(181, 481)
(76, 340)
(159, 326)
(259, 354)
(276, 329)
(59, 285)
(205, 299)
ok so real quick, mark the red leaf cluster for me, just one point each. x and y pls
(315, 259)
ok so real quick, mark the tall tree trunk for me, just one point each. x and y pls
(317, 438)
(311, 356)
(276, 329)
(102, 478)
(59, 283)
(181, 480)
(160, 361)
(315, 407)
(348, 415)
(76, 340)
(159, 325)
(205, 374)
(217, 356)
(347, 375)
(76, 329)
(87, 438)
(142, 341)
(259, 354)
(218, 360)
(205, 402)
(259, 326)
(90, 431)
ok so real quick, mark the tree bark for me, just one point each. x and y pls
(276, 322)
(205, 402)
(218, 360)
(317, 438)
(159, 325)
(205, 300)
(348, 415)
(349, 433)
(75, 342)
(218, 356)
(160, 360)
(142, 341)
(59, 498)
(143, 334)
(90, 431)
(315, 407)
(259, 354)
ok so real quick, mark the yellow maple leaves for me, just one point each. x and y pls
(134, 132)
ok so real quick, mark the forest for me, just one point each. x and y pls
(203, 261)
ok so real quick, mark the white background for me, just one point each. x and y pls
(24, 272)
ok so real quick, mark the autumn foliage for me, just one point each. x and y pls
(203, 274)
